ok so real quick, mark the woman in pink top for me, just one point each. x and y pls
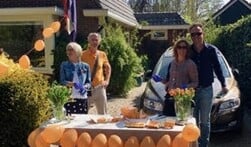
(182, 73)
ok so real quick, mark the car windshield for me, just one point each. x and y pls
(162, 65)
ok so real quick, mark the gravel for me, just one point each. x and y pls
(115, 103)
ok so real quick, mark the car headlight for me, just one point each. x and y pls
(229, 104)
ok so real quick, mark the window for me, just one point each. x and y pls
(17, 39)
(159, 35)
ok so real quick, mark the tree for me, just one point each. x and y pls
(191, 10)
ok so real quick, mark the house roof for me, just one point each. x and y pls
(161, 20)
(116, 9)
(229, 4)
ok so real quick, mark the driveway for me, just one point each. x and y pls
(234, 139)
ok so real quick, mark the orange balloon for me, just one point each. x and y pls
(100, 141)
(24, 62)
(55, 26)
(47, 32)
(191, 132)
(32, 136)
(179, 141)
(52, 133)
(132, 142)
(3, 68)
(147, 142)
(39, 45)
(84, 140)
(115, 141)
(164, 141)
(39, 142)
(69, 138)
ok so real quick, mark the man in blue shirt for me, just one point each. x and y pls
(205, 57)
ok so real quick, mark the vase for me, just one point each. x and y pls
(59, 113)
(183, 110)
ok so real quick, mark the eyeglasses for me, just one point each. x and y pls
(181, 47)
(196, 34)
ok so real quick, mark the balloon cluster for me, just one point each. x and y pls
(39, 45)
(57, 134)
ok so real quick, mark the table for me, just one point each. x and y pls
(82, 124)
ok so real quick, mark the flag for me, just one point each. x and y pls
(70, 16)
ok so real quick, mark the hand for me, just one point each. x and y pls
(69, 84)
(81, 88)
(105, 83)
(157, 78)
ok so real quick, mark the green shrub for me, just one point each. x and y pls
(233, 40)
(125, 63)
(24, 106)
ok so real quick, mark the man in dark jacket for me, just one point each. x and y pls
(205, 57)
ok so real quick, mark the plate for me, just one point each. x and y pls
(135, 123)
(101, 118)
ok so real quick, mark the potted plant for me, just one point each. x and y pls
(58, 95)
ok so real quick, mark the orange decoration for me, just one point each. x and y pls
(55, 26)
(39, 142)
(164, 141)
(132, 142)
(115, 141)
(39, 45)
(84, 140)
(179, 141)
(32, 137)
(3, 68)
(191, 132)
(100, 141)
(147, 142)
(24, 62)
(47, 32)
(52, 133)
(69, 138)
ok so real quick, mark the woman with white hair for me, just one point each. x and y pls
(75, 74)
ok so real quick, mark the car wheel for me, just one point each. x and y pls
(239, 124)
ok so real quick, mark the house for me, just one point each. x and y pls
(161, 29)
(232, 11)
(22, 23)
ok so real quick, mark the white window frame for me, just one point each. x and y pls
(45, 16)
(153, 37)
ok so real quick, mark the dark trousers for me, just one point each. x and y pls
(168, 109)
(77, 106)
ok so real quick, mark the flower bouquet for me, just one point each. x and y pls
(182, 100)
(58, 95)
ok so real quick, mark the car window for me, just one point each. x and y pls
(225, 70)
(162, 66)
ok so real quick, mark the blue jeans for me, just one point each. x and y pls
(202, 110)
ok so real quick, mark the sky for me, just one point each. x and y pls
(225, 1)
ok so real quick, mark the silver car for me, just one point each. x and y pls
(226, 111)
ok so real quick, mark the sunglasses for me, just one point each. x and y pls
(196, 34)
(181, 47)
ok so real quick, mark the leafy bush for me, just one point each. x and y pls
(125, 63)
(24, 106)
(233, 40)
